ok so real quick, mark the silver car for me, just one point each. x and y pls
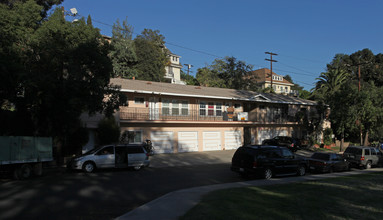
(111, 156)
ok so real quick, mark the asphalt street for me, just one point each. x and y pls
(107, 194)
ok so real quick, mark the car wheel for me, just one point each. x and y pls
(89, 167)
(22, 172)
(301, 170)
(368, 165)
(267, 173)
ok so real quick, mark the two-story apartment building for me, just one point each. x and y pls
(265, 79)
(182, 118)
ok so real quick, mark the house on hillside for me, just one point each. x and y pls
(181, 118)
(280, 85)
(173, 69)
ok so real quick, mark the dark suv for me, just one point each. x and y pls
(286, 141)
(360, 156)
(267, 161)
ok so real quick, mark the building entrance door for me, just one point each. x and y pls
(153, 108)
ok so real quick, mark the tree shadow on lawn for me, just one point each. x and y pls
(357, 197)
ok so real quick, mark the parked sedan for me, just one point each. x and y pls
(328, 162)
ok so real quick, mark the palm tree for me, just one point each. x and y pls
(329, 83)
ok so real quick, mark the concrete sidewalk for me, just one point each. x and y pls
(175, 204)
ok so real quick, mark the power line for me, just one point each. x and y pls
(310, 60)
(210, 54)
(198, 51)
(296, 68)
(173, 44)
(294, 72)
(312, 84)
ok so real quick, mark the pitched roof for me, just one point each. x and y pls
(148, 87)
(264, 76)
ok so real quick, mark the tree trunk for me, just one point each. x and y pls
(366, 139)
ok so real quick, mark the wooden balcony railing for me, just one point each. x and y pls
(147, 114)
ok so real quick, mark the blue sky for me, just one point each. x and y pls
(306, 34)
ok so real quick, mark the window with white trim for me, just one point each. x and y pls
(165, 107)
(185, 108)
(218, 109)
(202, 108)
(210, 109)
(139, 100)
(135, 137)
(175, 107)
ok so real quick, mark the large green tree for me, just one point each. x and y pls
(227, 73)
(151, 55)
(46, 4)
(189, 79)
(123, 54)
(355, 113)
(329, 83)
(52, 71)
(209, 78)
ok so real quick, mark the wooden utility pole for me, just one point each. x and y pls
(271, 66)
(359, 88)
(188, 66)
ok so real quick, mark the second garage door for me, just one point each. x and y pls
(233, 140)
(187, 141)
(211, 140)
(162, 141)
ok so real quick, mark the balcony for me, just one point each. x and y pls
(147, 114)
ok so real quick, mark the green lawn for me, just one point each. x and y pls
(354, 197)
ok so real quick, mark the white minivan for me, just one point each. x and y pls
(111, 156)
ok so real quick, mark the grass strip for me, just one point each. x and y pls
(353, 197)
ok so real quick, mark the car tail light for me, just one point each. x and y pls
(362, 158)
(255, 164)
(292, 145)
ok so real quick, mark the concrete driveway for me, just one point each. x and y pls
(191, 158)
(200, 158)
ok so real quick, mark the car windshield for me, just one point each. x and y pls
(321, 156)
(92, 151)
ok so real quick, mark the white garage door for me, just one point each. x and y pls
(233, 140)
(162, 141)
(187, 141)
(211, 140)
(268, 134)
